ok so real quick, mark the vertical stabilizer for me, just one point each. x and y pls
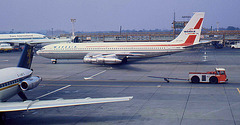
(26, 58)
(191, 33)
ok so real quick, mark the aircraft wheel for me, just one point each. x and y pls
(213, 80)
(195, 79)
(124, 61)
(3, 117)
(54, 62)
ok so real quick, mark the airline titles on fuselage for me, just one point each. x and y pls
(109, 48)
(30, 36)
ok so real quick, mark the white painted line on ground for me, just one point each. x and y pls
(53, 91)
(91, 77)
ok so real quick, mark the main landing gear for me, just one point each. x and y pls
(3, 117)
(54, 61)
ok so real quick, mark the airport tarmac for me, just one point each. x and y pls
(154, 100)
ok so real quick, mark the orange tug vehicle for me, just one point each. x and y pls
(217, 76)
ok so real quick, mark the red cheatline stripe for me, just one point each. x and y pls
(198, 24)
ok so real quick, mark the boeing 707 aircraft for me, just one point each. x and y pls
(120, 52)
(16, 80)
(28, 38)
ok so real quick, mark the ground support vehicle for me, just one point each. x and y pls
(235, 46)
(217, 76)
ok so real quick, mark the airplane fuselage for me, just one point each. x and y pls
(5, 47)
(79, 50)
(10, 80)
(34, 38)
(21, 37)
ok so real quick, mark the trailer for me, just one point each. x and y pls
(217, 76)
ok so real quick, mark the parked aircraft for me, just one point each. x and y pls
(16, 80)
(28, 38)
(121, 52)
(5, 47)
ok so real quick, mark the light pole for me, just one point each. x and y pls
(73, 21)
(52, 32)
(217, 26)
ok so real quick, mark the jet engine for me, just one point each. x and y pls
(102, 60)
(30, 83)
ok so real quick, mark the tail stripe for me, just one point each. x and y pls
(198, 24)
(190, 40)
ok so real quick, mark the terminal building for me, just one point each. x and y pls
(219, 39)
(224, 38)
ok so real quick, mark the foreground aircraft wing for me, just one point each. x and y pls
(40, 104)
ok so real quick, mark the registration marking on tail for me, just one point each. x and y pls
(238, 90)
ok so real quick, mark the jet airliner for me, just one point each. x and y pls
(28, 38)
(16, 80)
(121, 52)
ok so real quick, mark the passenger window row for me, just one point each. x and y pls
(107, 48)
(11, 82)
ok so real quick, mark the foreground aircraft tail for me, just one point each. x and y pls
(190, 35)
(25, 62)
(26, 58)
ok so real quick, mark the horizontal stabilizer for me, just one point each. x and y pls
(200, 44)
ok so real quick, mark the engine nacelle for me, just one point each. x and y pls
(102, 60)
(30, 83)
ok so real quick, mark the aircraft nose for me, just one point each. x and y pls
(38, 52)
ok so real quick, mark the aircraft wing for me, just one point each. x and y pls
(109, 58)
(49, 40)
(40, 104)
(115, 55)
(129, 54)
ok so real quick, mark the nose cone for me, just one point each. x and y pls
(38, 52)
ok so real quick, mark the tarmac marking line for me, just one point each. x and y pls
(87, 78)
(53, 91)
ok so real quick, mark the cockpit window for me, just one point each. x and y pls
(222, 72)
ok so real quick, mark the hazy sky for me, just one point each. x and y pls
(102, 15)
